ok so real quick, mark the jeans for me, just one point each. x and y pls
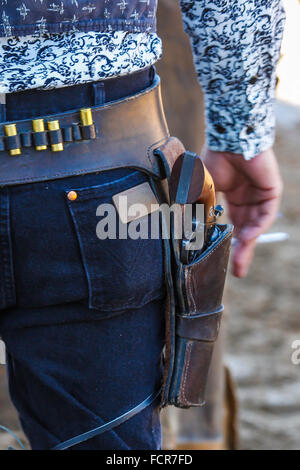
(82, 318)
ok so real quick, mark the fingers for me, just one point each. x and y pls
(260, 219)
(242, 257)
(253, 190)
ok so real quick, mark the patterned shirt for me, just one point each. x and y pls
(236, 46)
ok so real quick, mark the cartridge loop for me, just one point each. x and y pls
(13, 142)
(40, 139)
(55, 136)
(26, 139)
(88, 132)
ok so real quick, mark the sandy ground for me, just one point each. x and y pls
(264, 320)
(264, 316)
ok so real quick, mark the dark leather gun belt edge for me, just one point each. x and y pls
(124, 133)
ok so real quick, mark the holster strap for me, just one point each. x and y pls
(107, 426)
(201, 327)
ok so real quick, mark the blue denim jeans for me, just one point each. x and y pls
(82, 318)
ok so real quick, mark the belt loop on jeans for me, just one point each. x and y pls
(99, 93)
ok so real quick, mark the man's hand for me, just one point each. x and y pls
(253, 190)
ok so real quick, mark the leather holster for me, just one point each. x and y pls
(194, 304)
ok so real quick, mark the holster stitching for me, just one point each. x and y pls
(209, 254)
(189, 284)
(188, 356)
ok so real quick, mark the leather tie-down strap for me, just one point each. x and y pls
(107, 426)
(124, 133)
(9, 431)
(96, 431)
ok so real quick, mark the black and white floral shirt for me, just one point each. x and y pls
(236, 46)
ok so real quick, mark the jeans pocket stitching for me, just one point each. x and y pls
(97, 297)
(7, 273)
(87, 193)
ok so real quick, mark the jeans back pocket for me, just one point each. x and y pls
(121, 273)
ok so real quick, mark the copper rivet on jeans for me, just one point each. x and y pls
(72, 195)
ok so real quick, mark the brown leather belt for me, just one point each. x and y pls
(124, 134)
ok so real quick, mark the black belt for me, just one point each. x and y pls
(122, 133)
(67, 98)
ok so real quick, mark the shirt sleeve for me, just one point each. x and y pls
(236, 47)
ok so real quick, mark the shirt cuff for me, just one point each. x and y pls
(227, 132)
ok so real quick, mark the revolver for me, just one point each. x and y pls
(191, 183)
